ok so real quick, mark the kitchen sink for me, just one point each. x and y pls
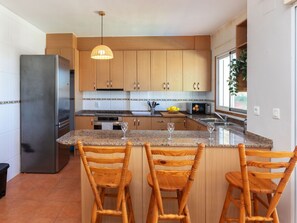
(141, 113)
(210, 120)
(223, 123)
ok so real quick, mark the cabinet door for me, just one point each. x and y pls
(143, 70)
(203, 63)
(54, 51)
(117, 70)
(174, 70)
(159, 123)
(102, 74)
(131, 122)
(144, 123)
(84, 122)
(180, 123)
(69, 54)
(130, 71)
(158, 70)
(190, 70)
(87, 72)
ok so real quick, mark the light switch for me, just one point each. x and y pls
(256, 110)
(276, 113)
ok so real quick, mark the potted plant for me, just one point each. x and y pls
(238, 70)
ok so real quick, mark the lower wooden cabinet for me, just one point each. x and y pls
(193, 125)
(84, 122)
(138, 123)
(160, 123)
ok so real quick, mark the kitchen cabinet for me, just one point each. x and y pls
(160, 123)
(158, 70)
(174, 76)
(110, 73)
(193, 125)
(87, 72)
(68, 53)
(138, 123)
(196, 70)
(137, 71)
(84, 122)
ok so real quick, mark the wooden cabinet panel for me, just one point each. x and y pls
(158, 70)
(68, 53)
(102, 74)
(117, 70)
(130, 71)
(179, 123)
(138, 123)
(196, 70)
(52, 51)
(87, 72)
(174, 70)
(84, 122)
(143, 70)
(193, 125)
(159, 123)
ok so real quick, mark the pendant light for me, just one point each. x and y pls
(101, 52)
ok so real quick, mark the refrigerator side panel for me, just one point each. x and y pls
(37, 114)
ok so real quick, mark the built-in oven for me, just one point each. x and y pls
(108, 123)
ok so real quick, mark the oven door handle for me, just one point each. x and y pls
(116, 123)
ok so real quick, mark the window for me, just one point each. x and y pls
(225, 101)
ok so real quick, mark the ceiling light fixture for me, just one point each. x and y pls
(101, 52)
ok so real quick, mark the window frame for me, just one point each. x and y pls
(224, 109)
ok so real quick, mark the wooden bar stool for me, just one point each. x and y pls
(171, 170)
(256, 181)
(107, 167)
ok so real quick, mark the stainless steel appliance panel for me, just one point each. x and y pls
(62, 151)
(198, 108)
(39, 113)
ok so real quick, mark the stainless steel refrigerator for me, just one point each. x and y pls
(45, 111)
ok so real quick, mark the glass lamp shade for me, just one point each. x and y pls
(101, 52)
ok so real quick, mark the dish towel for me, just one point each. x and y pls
(107, 126)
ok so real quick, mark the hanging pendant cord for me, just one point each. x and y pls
(101, 29)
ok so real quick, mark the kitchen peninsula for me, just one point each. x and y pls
(208, 192)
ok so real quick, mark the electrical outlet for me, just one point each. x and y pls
(276, 113)
(256, 110)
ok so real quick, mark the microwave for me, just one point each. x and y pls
(198, 108)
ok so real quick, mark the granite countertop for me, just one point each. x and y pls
(222, 137)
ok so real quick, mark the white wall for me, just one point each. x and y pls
(16, 37)
(271, 80)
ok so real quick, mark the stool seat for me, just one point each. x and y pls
(111, 179)
(257, 185)
(168, 182)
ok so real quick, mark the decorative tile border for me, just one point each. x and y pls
(150, 99)
(9, 102)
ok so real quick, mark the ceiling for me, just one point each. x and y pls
(128, 17)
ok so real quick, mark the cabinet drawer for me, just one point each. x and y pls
(160, 123)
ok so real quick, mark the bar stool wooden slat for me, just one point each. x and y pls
(171, 170)
(252, 184)
(107, 167)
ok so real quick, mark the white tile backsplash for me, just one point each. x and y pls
(17, 37)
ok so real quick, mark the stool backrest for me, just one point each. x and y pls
(97, 159)
(282, 170)
(173, 162)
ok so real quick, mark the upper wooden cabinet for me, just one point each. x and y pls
(196, 70)
(174, 70)
(137, 70)
(63, 45)
(87, 72)
(110, 73)
(158, 70)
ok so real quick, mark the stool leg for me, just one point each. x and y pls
(226, 204)
(124, 210)
(242, 209)
(256, 206)
(155, 212)
(150, 209)
(94, 213)
(274, 214)
(187, 213)
(130, 207)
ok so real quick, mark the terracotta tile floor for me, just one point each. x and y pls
(44, 198)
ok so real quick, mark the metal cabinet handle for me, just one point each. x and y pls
(198, 85)
(161, 121)
(92, 121)
(138, 122)
(167, 85)
(110, 83)
(164, 86)
(107, 83)
(138, 85)
(134, 122)
(134, 85)
(185, 123)
(94, 85)
(194, 85)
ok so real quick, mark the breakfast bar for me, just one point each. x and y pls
(208, 192)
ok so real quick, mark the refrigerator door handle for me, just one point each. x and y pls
(63, 123)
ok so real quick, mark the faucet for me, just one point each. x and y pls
(223, 118)
(245, 126)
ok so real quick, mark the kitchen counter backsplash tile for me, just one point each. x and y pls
(136, 101)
